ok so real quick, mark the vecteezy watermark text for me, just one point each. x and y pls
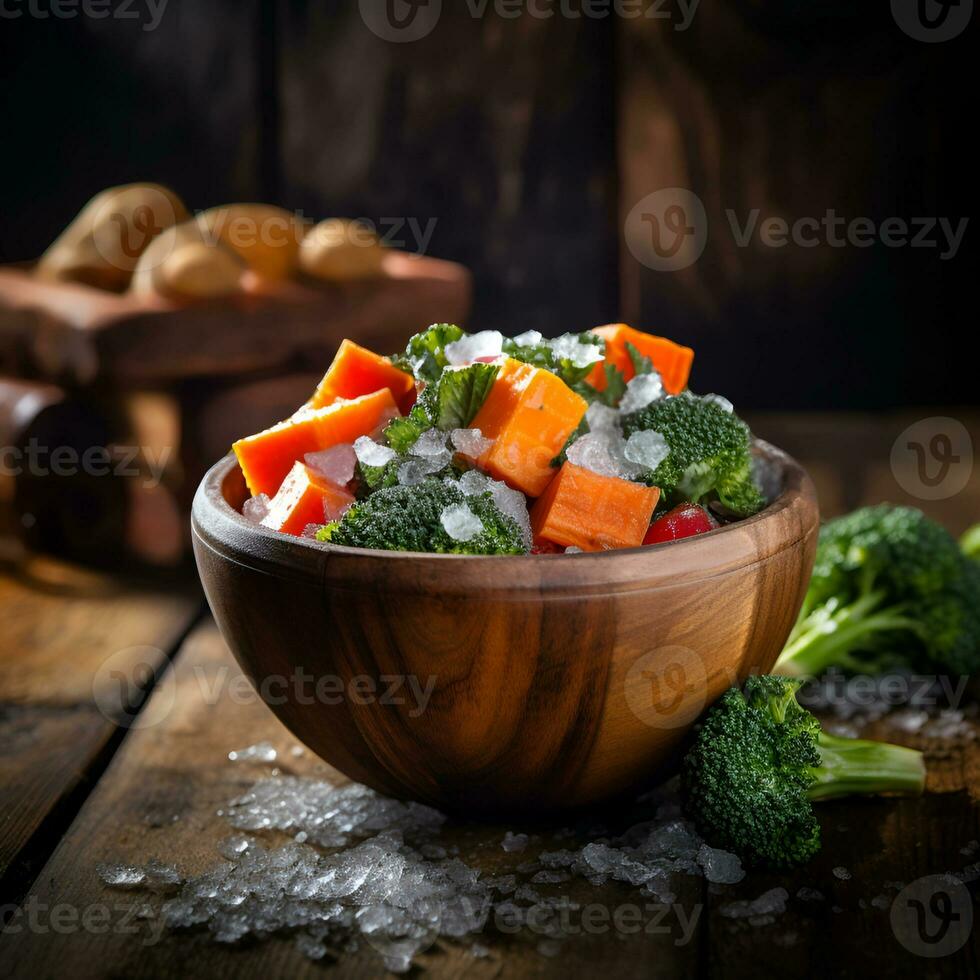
(836, 231)
(96, 918)
(148, 12)
(65, 461)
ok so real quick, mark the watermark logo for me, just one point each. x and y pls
(933, 916)
(148, 13)
(401, 21)
(933, 458)
(932, 21)
(121, 688)
(667, 230)
(666, 687)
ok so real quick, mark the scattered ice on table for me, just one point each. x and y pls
(569, 347)
(530, 338)
(970, 848)
(647, 448)
(549, 947)
(603, 452)
(336, 463)
(256, 509)
(432, 442)
(331, 816)
(121, 875)
(760, 911)
(487, 343)
(807, 894)
(842, 873)
(460, 523)
(641, 391)
(260, 752)
(479, 951)
(362, 868)
(720, 867)
(881, 902)
(721, 401)
(470, 442)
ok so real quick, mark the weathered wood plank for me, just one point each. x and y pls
(78, 653)
(763, 112)
(491, 133)
(159, 798)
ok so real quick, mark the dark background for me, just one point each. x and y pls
(528, 140)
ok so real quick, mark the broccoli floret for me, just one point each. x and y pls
(409, 518)
(760, 761)
(889, 588)
(709, 458)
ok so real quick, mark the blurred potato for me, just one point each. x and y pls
(103, 245)
(341, 250)
(186, 263)
(267, 238)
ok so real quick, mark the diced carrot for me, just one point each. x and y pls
(305, 498)
(672, 360)
(595, 513)
(268, 456)
(356, 371)
(529, 413)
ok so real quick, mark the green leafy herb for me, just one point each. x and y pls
(641, 363)
(450, 402)
(425, 353)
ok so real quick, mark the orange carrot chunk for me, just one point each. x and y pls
(584, 510)
(356, 371)
(672, 360)
(305, 498)
(529, 413)
(268, 456)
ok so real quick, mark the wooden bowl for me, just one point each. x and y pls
(502, 684)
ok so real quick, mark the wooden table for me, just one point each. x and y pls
(77, 789)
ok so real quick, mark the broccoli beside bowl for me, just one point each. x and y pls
(477, 444)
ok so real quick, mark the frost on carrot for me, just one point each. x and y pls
(268, 456)
(671, 360)
(305, 498)
(595, 513)
(356, 371)
(529, 414)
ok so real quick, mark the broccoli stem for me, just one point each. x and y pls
(827, 635)
(851, 766)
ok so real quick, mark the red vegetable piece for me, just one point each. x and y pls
(683, 521)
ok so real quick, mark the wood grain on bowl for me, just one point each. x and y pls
(503, 683)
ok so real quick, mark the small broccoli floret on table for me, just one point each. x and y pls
(761, 760)
(431, 516)
(710, 457)
(889, 588)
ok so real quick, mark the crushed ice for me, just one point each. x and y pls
(260, 752)
(641, 391)
(256, 508)
(470, 442)
(371, 453)
(336, 463)
(460, 523)
(361, 868)
(487, 343)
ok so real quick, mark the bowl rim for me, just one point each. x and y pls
(788, 519)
